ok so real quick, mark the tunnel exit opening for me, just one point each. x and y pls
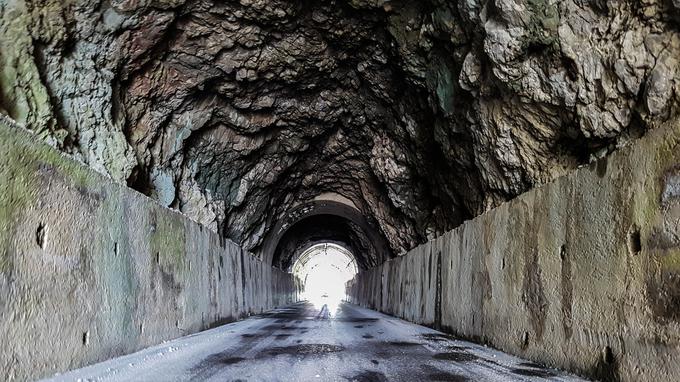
(324, 269)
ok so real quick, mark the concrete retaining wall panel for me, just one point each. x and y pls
(582, 273)
(90, 269)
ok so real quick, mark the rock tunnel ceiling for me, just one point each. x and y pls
(421, 113)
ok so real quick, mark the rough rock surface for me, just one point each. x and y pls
(422, 113)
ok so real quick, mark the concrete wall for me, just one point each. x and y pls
(90, 269)
(581, 274)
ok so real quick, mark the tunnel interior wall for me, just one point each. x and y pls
(581, 274)
(90, 269)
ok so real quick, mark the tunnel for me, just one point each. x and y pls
(324, 243)
(342, 190)
(325, 221)
(324, 269)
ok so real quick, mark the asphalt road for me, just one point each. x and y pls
(302, 343)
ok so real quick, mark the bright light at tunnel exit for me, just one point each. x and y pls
(324, 269)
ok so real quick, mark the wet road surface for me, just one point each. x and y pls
(297, 343)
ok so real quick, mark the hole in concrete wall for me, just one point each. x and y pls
(189, 265)
(115, 249)
(221, 261)
(608, 355)
(503, 263)
(563, 252)
(525, 340)
(41, 235)
(86, 338)
(158, 257)
(634, 240)
(606, 368)
(141, 327)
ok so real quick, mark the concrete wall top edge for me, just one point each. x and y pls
(672, 127)
(9, 126)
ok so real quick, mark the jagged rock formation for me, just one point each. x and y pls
(421, 113)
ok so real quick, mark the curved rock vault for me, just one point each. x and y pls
(417, 114)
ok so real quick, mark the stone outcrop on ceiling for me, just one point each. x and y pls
(420, 113)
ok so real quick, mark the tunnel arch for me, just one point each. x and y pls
(323, 271)
(303, 258)
(325, 221)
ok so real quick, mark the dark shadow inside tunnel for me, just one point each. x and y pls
(324, 243)
(329, 222)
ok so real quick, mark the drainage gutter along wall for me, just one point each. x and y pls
(90, 269)
(581, 274)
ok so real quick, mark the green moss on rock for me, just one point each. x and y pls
(24, 168)
(541, 31)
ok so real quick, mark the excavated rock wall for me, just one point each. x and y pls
(91, 270)
(422, 113)
(580, 274)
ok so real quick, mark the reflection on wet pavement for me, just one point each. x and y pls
(302, 342)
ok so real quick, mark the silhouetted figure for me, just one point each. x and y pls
(325, 313)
